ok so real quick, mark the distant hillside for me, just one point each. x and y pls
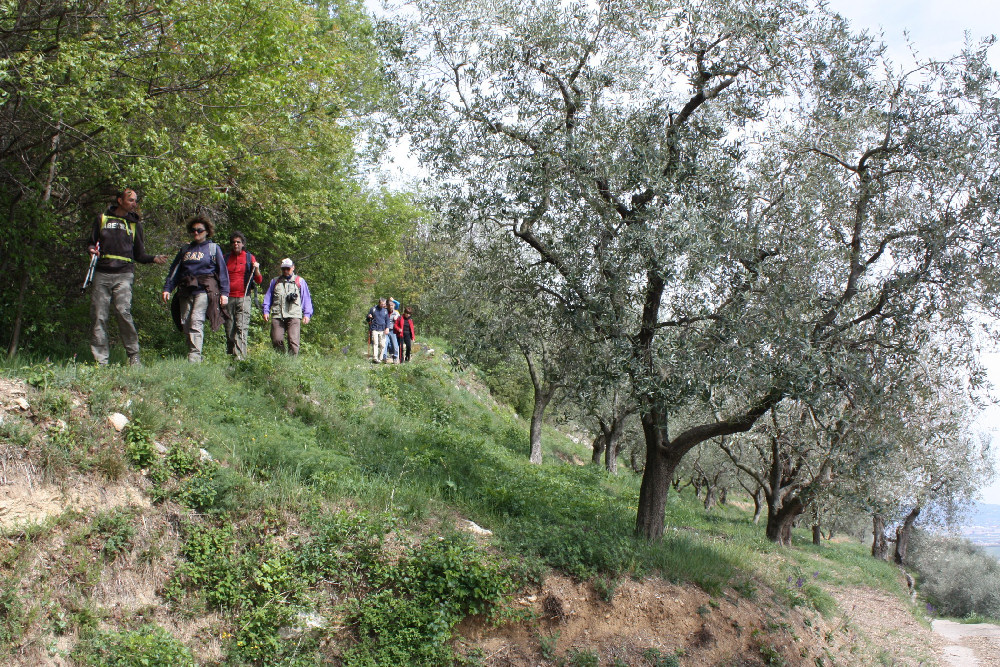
(982, 526)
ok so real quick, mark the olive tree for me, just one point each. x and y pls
(742, 198)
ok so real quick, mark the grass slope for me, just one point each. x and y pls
(332, 501)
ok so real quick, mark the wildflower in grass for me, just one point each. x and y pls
(799, 582)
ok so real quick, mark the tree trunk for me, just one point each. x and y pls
(542, 398)
(903, 536)
(817, 534)
(710, 497)
(723, 495)
(656, 477)
(781, 519)
(613, 439)
(758, 504)
(696, 483)
(880, 544)
(15, 336)
(634, 461)
(600, 444)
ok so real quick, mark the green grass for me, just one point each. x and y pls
(410, 446)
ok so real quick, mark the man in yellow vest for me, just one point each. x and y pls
(118, 242)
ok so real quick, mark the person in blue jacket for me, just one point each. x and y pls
(199, 274)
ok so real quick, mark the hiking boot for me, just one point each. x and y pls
(134, 361)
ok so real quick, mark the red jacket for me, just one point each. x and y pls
(239, 279)
(402, 322)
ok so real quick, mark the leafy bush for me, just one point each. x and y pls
(139, 447)
(115, 530)
(409, 616)
(182, 460)
(956, 576)
(149, 645)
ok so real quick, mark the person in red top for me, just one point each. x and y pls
(405, 333)
(243, 267)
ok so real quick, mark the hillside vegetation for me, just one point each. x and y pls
(327, 521)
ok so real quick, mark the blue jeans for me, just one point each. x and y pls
(392, 343)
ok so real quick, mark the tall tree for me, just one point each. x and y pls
(739, 196)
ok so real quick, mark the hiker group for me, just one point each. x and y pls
(209, 286)
(390, 333)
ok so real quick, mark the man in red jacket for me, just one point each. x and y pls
(243, 267)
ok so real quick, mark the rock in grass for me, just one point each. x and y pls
(118, 420)
(475, 528)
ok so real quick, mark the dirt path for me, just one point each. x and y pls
(968, 644)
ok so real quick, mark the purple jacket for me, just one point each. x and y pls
(307, 304)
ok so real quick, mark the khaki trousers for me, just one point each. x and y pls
(193, 309)
(109, 289)
(237, 326)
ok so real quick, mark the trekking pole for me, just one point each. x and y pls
(93, 265)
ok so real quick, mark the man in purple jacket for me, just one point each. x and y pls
(287, 305)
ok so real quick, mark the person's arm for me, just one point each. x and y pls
(258, 277)
(171, 282)
(95, 236)
(307, 303)
(222, 272)
(266, 306)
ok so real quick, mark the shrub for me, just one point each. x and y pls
(139, 447)
(408, 618)
(957, 577)
(115, 530)
(149, 645)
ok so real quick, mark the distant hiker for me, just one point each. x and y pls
(244, 272)
(405, 333)
(379, 328)
(392, 341)
(118, 242)
(199, 273)
(287, 305)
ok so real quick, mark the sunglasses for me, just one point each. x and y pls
(198, 230)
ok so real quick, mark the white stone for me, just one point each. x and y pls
(473, 527)
(118, 420)
(205, 456)
(21, 403)
(161, 448)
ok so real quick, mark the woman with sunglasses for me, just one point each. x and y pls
(202, 281)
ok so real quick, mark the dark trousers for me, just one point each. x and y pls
(287, 325)
(404, 348)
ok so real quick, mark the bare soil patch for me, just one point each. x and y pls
(648, 614)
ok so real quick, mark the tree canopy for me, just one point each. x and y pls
(745, 200)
